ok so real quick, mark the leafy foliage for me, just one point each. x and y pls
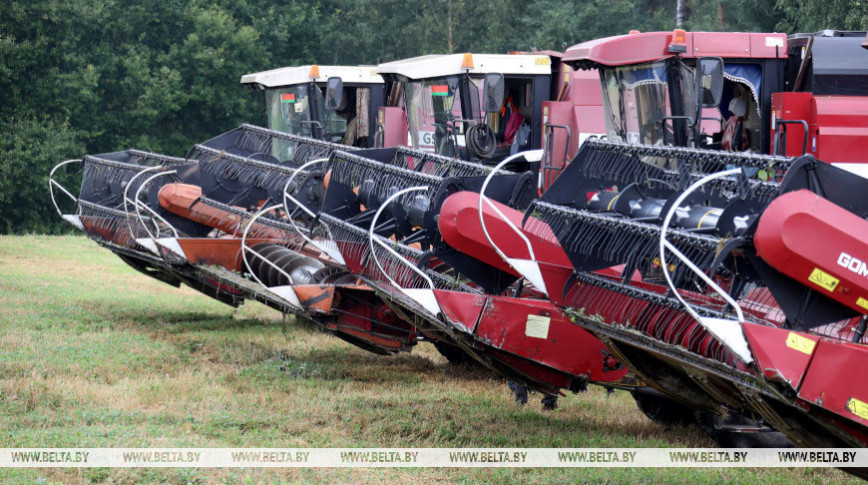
(815, 16)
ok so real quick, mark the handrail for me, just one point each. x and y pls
(782, 136)
(548, 155)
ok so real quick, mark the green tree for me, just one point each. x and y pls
(813, 16)
(29, 148)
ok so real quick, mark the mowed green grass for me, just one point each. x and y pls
(94, 354)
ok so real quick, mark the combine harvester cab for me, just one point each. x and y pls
(536, 102)
(336, 104)
(384, 215)
(438, 102)
(723, 296)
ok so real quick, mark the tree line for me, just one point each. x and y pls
(93, 76)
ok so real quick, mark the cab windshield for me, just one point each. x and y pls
(435, 111)
(636, 102)
(300, 110)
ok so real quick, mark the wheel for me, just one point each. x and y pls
(661, 409)
(452, 353)
(737, 431)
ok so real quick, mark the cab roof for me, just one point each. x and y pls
(643, 47)
(288, 76)
(437, 65)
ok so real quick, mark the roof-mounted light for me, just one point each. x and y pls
(678, 44)
(314, 71)
(634, 32)
(467, 62)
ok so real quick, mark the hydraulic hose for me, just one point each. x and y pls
(481, 140)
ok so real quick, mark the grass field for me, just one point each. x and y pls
(93, 354)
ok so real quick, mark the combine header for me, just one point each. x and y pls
(207, 232)
(727, 300)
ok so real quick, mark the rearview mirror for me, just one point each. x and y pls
(334, 93)
(493, 90)
(709, 81)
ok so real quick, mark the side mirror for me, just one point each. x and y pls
(493, 91)
(709, 81)
(334, 93)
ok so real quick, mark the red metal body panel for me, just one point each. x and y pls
(507, 324)
(460, 228)
(837, 125)
(94, 227)
(394, 126)
(835, 380)
(183, 200)
(461, 308)
(792, 106)
(834, 264)
(362, 316)
(457, 216)
(652, 46)
(531, 336)
(783, 355)
(841, 126)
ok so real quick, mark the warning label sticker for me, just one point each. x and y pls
(823, 279)
(858, 407)
(802, 344)
(537, 326)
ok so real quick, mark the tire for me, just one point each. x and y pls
(661, 409)
(716, 428)
(452, 353)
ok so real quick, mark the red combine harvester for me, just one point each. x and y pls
(725, 300)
